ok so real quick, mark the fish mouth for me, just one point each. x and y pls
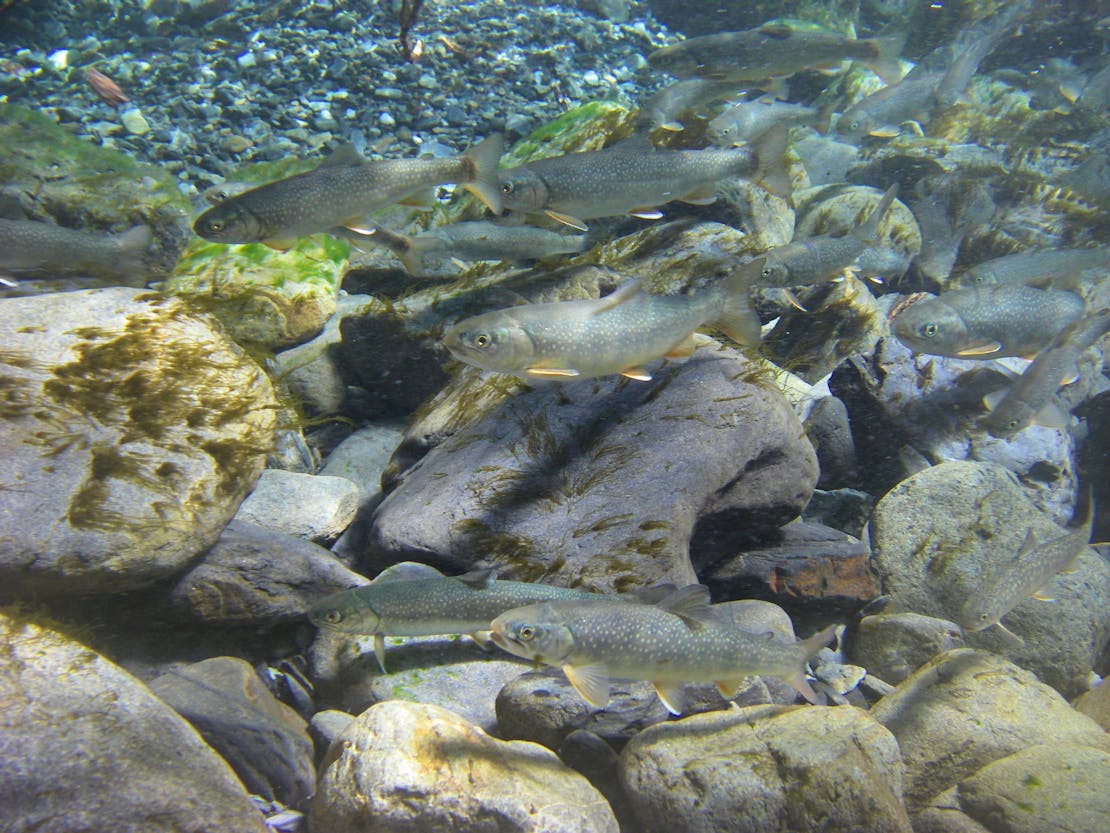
(499, 639)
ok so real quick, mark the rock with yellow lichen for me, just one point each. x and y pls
(406, 766)
(86, 746)
(132, 429)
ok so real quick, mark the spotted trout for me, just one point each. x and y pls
(1027, 574)
(988, 322)
(1032, 396)
(615, 334)
(341, 192)
(411, 599)
(1057, 268)
(623, 180)
(32, 249)
(775, 50)
(679, 640)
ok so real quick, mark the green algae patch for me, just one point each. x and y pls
(262, 297)
(81, 185)
(591, 126)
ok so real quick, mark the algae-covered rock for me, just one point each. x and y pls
(86, 746)
(964, 709)
(132, 429)
(590, 126)
(598, 483)
(405, 766)
(264, 298)
(767, 768)
(937, 534)
(88, 187)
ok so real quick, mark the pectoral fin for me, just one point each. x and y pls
(280, 245)
(1051, 416)
(883, 133)
(379, 651)
(671, 695)
(991, 400)
(646, 213)
(552, 371)
(637, 373)
(590, 681)
(1011, 637)
(672, 126)
(567, 220)
(980, 349)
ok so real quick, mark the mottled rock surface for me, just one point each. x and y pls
(966, 708)
(767, 768)
(598, 483)
(132, 429)
(84, 746)
(263, 740)
(362, 457)
(936, 534)
(1096, 704)
(253, 576)
(314, 507)
(409, 767)
(893, 645)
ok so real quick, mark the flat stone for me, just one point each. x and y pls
(410, 767)
(312, 507)
(73, 718)
(131, 431)
(964, 709)
(893, 645)
(253, 576)
(263, 740)
(598, 483)
(363, 457)
(766, 768)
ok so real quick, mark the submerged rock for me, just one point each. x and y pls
(964, 709)
(314, 507)
(767, 768)
(132, 430)
(403, 766)
(263, 740)
(73, 718)
(893, 645)
(934, 537)
(598, 483)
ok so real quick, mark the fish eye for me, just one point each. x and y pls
(526, 632)
(506, 187)
(333, 617)
(482, 340)
(766, 271)
(215, 225)
(929, 330)
(853, 125)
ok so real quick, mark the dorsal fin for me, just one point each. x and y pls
(691, 604)
(478, 579)
(618, 296)
(406, 571)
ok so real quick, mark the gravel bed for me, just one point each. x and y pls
(212, 89)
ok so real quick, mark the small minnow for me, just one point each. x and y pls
(1057, 268)
(988, 322)
(679, 640)
(341, 191)
(620, 180)
(32, 249)
(411, 599)
(1032, 396)
(615, 334)
(1026, 574)
(477, 240)
(775, 50)
(824, 256)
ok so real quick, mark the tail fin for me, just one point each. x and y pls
(483, 159)
(133, 246)
(810, 647)
(736, 317)
(885, 64)
(867, 232)
(770, 150)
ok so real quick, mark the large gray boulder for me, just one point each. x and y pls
(599, 483)
(132, 428)
(253, 576)
(84, 746)
(767, 768)
(263, 740)
(418, 768)
(936, 534)
(1050, 787)
(964, 709)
